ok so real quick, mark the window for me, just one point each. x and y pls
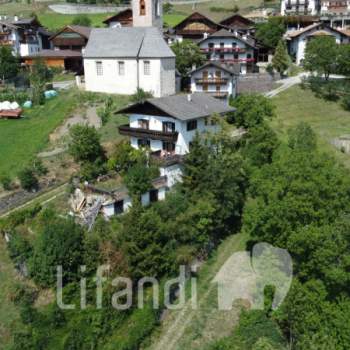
(218, 74)
(153, 196)
(143, 124)
(236, 56)
(99, 68)
(222, 56)
(119, 207)
(168, 146)
(157, 5)
(142, 8)
(211, 46)
(205, 87)
(192, 125)
(234, 44)
(168, 127)
(121, 68)
(146, 67)
(143, 143)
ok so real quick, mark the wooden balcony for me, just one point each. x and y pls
(240, 60)
(221, 81)
(167, 158)
(218, 94)
(148, 134)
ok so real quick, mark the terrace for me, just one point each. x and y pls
(126, 130)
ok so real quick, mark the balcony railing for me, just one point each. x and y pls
(167, 158)
(238, 60)
(218, 94)
(148, 134)
(221, 81)
(223, 49)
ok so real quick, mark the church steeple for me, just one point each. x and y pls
(147, 13)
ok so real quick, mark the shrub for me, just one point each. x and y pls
(28, 179)
(19, 248)
(82, 20)
(346, 102)
(6, 182)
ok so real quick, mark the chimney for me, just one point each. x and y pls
(205, 35)
(194, 66)
(189, 97)
(16, 18)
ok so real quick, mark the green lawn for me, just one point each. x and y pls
(9, 314)
(328, 119)
(21, 140)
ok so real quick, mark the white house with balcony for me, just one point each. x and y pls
(298, 39)
(168, 125)
(215, 79)
(25, 36)
(231, 49)
(300, 7)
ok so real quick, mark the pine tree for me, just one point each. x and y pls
(281, 60)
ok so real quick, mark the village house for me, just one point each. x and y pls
(215, 79)
(68, 46)
(298, 39)
(121, 19)
(300, 7)
(194, 27)
(231, 49)
(239, 24)
(24, 35)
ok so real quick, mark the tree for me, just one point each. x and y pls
(28, 179)
(321, 55)
(168, 8)
(301, 187)
(39, 75)
(252, 110)
(343, 60)
(85, 144)
(82, 20)
(60, 243)
(139, 178)
(188, 54)
(9, 64)
(107, 110)
(271, 32)
(140, 96)
(281, 60)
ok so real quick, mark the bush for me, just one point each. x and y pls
(14, 96)
(90, 171)
(346, 102)
(28, 179)
(6, 182)
(82, 20)
(19, 248)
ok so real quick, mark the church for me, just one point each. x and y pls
(121, 60)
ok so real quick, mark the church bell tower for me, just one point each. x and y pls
(147, 13)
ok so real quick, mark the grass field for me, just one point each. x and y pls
(9, 314)
(190, 328)
(21, 140)
(328, 119)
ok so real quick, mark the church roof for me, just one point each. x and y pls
(127, 42)
(200, 105)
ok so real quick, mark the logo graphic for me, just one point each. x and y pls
(244, 276)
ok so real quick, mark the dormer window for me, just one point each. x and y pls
(142, 8)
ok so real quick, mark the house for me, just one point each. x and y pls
(68, 45)
(121, 60)
(298, 39)
(300, 7)
(24, 35)
(239, 23)
(194, 27)
(168, 125)
(215, 79)
(231, 49)
(121, 19)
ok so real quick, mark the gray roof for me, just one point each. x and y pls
(127, 42)
(179, 107)
(233, 69)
